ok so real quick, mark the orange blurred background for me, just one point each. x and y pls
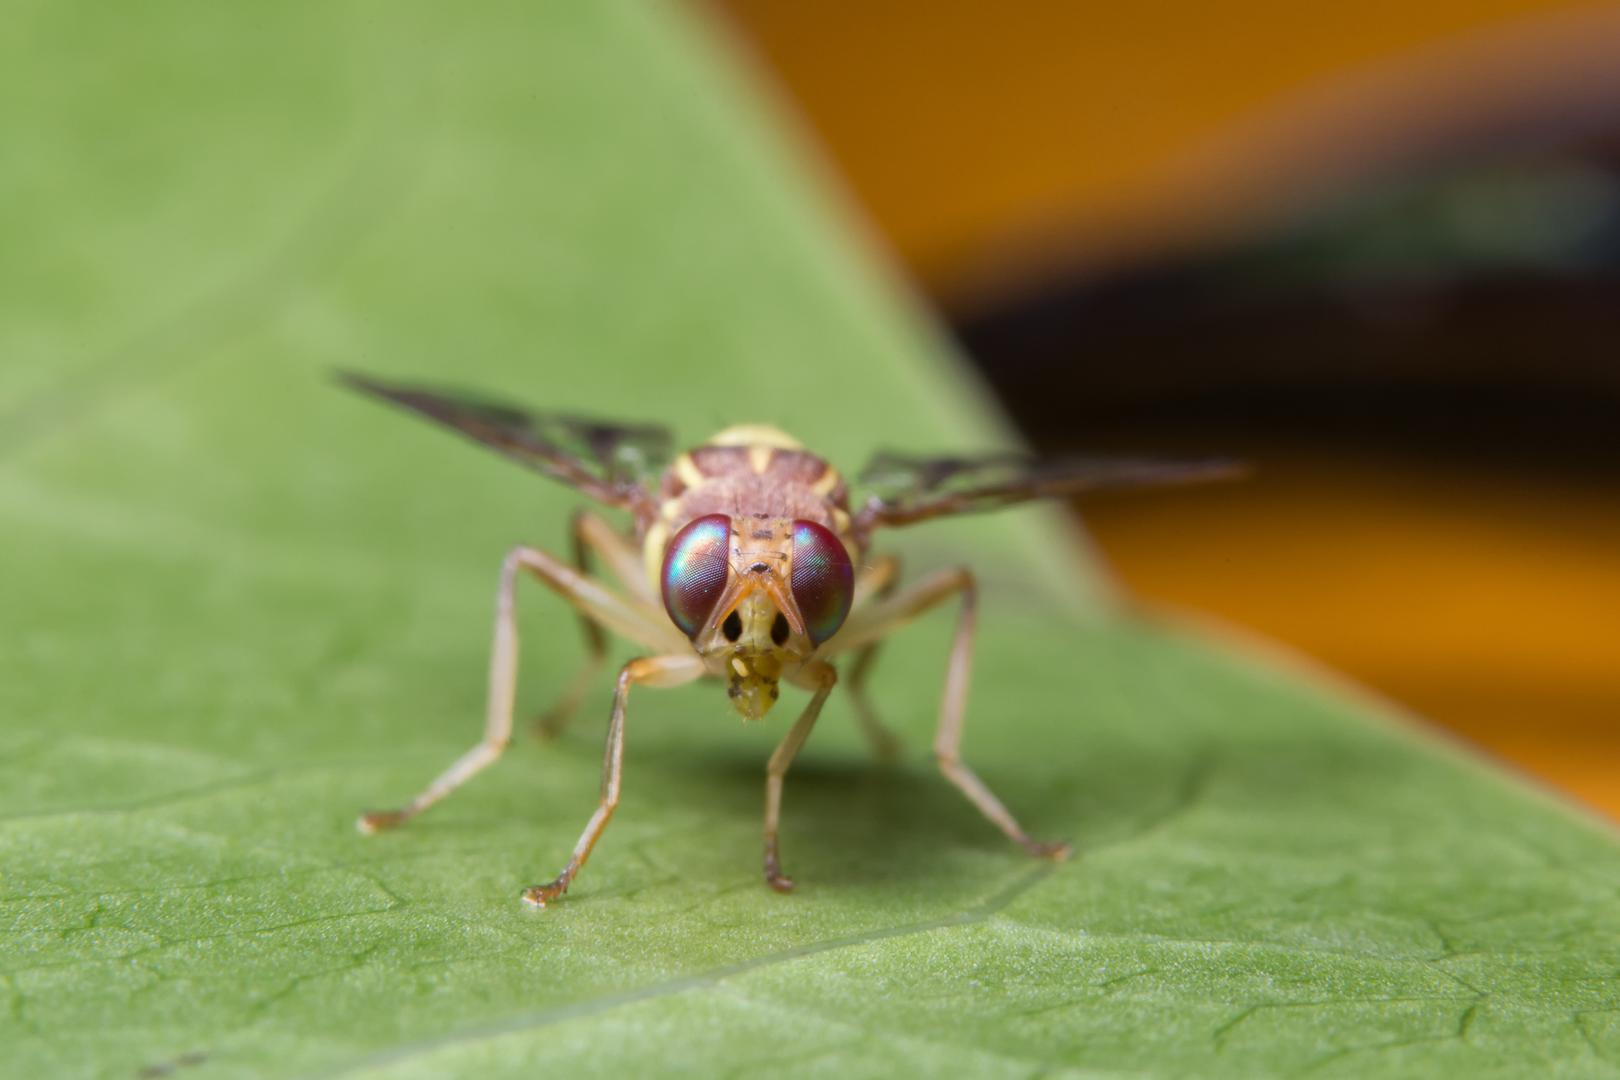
(1078, 187)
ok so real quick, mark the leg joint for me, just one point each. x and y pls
(505, 596)
(513, 560)
(967, 583)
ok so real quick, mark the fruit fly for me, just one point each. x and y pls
(746, 563)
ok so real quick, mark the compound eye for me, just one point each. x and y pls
(823, 579)
(696, 566)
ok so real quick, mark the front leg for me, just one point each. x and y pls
(653, 671)
(821, 677)
(886, 616)
(594, 602)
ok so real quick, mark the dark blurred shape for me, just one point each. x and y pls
(1470, 311)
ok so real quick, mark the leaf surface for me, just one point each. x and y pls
(242, 605)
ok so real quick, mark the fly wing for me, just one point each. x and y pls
(907, 489)
(612, 463)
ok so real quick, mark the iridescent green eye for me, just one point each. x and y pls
(823, 579)
(696, 565)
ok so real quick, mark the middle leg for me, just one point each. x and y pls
(591, 600)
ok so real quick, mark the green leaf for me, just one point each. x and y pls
(242, 605)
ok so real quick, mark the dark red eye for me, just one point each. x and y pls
(696, 565)
(823, 579)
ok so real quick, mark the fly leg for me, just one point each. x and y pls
(889, 615)
(877, 580)
(821, 678)
(592, 600)
(652, 671)
(589, 533)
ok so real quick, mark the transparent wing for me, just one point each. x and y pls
(612, 463)
(906, 490)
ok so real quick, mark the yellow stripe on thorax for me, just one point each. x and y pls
(687, 470)
(756, 435)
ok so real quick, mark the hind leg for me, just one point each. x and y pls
(877, 580)
(591, 534)
(885, 617)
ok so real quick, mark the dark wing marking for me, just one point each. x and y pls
(612, 463)
(912, 489)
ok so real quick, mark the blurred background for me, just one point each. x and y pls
(1374, 249)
